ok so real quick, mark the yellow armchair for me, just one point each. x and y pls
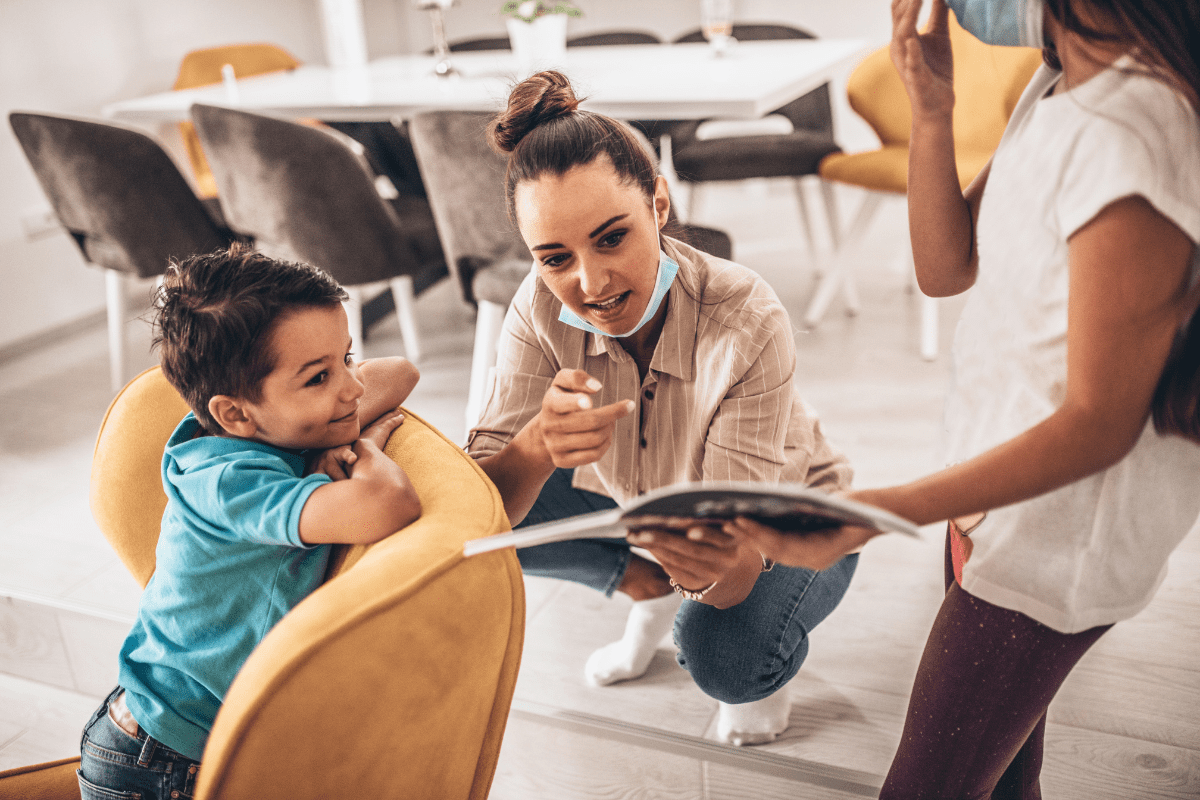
(988, 81)
(393, 680)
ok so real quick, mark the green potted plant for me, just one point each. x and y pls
(538, 31)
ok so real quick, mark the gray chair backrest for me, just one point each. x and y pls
(810, 112)
(304, 194)
(465, 181)
(117, 193)
(613, 37)
(486, 43)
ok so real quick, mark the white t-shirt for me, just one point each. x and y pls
(1095, 551)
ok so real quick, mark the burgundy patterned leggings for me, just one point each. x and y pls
(977, 716)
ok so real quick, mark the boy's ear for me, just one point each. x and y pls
(230, 414)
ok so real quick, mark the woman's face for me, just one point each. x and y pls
(595, 240)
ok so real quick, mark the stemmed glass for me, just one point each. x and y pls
(716, 23)
(441, 50)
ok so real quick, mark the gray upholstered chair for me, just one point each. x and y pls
(612, 37)
(485, 43)
(123, 201)
(308, 194)
(485, 252)
(794, 154)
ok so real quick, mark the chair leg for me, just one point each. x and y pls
(695, 190)
(806, 223)
(831, 213)
(353, 306)
(114, 286)
(488, 325)
(838, 275)
(406, 312)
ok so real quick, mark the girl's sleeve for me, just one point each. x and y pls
(1147, 146)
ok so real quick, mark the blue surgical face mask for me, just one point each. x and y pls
(1009, 23)
(667, 269)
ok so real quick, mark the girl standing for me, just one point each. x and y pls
(1073, 419)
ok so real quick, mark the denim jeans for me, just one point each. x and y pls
(598, 563)
(736, 655)
(117, 766)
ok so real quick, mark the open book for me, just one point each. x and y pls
(784, 507)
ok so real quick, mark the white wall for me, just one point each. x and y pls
(75, 56)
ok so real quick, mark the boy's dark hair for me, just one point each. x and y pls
(214, 313)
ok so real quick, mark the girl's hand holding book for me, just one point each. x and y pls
(809, 549)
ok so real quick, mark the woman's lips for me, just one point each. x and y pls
(610, 309)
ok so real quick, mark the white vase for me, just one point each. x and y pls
(537, 45)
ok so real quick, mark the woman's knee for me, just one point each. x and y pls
(731, 661)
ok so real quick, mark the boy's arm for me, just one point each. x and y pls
(375, 501)
(387, 382)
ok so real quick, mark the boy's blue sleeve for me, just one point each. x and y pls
(255, 499)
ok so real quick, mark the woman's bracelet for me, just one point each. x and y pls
(767, 564)
(692, 595)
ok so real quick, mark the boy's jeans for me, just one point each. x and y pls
(117, 766)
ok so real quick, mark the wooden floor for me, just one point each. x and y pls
(1125, 726)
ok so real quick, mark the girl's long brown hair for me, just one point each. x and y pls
(1165, 38)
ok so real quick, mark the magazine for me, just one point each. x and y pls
(786, 508)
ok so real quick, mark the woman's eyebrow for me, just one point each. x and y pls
(600, 230)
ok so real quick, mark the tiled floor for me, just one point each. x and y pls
(1125, 725)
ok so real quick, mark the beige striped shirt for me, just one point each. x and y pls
(718, 402)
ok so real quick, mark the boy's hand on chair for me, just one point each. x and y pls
(337, 462)
(381, 429)
(334, 462)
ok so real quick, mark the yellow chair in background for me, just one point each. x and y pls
(988, 81)
(203, 68)
(392, 680)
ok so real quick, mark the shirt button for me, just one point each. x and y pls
(649, 394)
(644, 442)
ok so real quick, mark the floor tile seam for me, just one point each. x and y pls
(1052, 723)
(54, 603)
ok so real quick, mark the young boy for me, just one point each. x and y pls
(259, 349)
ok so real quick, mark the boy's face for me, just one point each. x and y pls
(310, 399)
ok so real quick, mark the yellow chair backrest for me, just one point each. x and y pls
(127, 497)
(203, 68)
(988, 81)
(392, 680)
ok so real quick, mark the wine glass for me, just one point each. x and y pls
(716, 23)
(441, 50)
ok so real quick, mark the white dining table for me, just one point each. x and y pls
(670, 81)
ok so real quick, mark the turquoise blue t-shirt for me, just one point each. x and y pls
(230, 564)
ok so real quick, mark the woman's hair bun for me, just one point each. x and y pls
(534, 101)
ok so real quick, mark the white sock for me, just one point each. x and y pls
(629, 657)
(758, 722)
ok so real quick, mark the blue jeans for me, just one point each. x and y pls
(736, 655)
(117, 766)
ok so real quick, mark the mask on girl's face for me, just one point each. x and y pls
(1009, 23)
(667, 269)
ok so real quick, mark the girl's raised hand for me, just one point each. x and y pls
(573, 432)
(924, 60)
